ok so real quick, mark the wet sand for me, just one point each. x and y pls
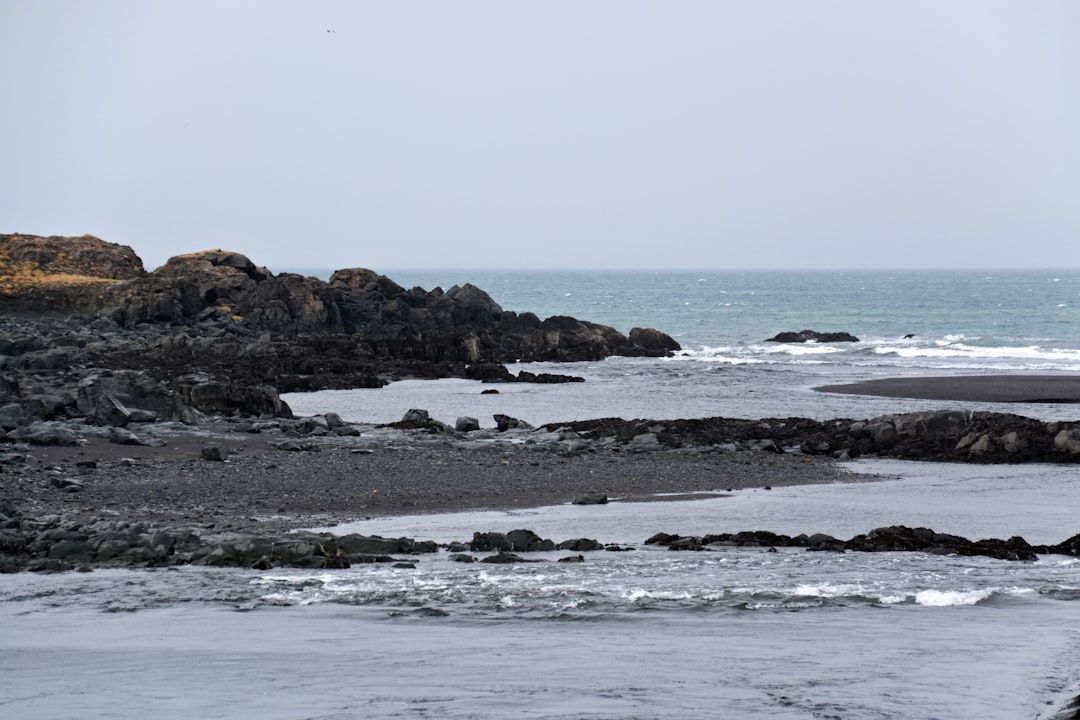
(408, 473)
(970, 388)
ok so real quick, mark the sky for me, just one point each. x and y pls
(549, 134)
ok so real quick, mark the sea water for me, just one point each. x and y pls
(645, 633)
(908, 323)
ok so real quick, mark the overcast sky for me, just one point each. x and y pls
(507, 134)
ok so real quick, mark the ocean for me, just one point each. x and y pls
(728, 633)
(908, 323)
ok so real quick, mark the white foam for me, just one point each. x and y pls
(950, 598)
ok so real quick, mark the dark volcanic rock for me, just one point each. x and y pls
(248, 333)
(813, 336)
(942, 436)
(888, 539)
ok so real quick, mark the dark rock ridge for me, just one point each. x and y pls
(217, 333)
(812, 336)
(887, 539)
(52, 543)
(943, 436)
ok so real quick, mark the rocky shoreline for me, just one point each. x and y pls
(141, 422)
(234, 492)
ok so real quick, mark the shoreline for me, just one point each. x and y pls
(263, 488)
(425, 468)
(1064, 389)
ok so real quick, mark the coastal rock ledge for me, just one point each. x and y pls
(76, 303)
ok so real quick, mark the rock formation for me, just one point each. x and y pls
(944, 436)
(813, 336)
(213, 332)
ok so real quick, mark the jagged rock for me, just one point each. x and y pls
(486, 542)
(939, 436)
(218, 315)
(888, 539)
(419, 419)
(653, 340)
(114, 397)
(216, 397)
(505, 422)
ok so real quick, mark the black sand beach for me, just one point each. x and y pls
(971, 388)
(394, 472)
(263, 487)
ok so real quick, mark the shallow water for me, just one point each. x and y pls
(649, 633)
(333, 661)
(730, 633)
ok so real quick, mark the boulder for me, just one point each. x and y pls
(122, 436)
(45, 433)
(505, 422)
(467, 424)
(12, 416)
(653, 341)
(528, 541)
(215, 452)
(1068, 440)
(591, 498)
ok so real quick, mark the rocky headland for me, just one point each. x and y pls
(141, 423)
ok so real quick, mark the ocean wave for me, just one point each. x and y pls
(758, 354)
(961, 350)
(950, 598)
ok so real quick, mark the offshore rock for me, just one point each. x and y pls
(813, 336)
(887, 539)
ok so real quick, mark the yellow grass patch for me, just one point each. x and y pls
(16, 277)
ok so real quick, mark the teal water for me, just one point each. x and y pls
(908, 323)
(1008, 319)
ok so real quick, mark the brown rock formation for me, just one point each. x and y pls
(62, 273)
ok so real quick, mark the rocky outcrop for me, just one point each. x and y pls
(804, 336)
(887, 539)
(219, 314)
(945, 436)
(53, 543)
(62, 274)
